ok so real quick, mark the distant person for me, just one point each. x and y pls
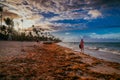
(81, 46)
(36, 42)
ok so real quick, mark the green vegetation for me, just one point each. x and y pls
(8, 32)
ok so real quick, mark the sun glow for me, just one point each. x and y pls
(23, 25)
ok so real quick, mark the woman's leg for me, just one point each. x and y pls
(81, 50)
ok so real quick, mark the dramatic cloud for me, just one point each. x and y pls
(63, 15)
(94, 13)
(10, 14)
(53, 14)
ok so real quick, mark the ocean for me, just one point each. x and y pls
(109, 51)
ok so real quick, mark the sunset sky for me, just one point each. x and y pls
(69, 20)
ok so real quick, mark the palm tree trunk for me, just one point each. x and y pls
(9, 34)
(1, 18)
(1, 10)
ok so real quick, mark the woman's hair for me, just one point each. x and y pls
(82, 40)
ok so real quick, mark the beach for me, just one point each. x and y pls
(37, 61)
(109, 51)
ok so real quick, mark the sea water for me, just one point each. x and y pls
(109, 51)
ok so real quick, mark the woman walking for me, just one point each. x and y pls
(81, 46)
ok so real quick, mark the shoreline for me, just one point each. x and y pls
(107, 56)
(52, 61)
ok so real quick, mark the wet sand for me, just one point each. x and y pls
(52, 62)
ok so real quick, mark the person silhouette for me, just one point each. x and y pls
(81, 46)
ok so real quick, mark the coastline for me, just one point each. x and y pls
(94, 51)
(52, 61)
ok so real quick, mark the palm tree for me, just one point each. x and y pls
(1, 10)
(30, 34)
(22, 37)
(3, 29)
(35, 30)
(9, 22)
(22, 24)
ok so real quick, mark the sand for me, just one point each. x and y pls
(52, 62)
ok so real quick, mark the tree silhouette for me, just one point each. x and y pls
(30, 34)
(9, 22)
(36, 31)
(3, 29)
(22, 24)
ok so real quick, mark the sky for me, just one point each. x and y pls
(69, 20)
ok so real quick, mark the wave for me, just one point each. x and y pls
(105, 47)
(92, 48)
(104, 50)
